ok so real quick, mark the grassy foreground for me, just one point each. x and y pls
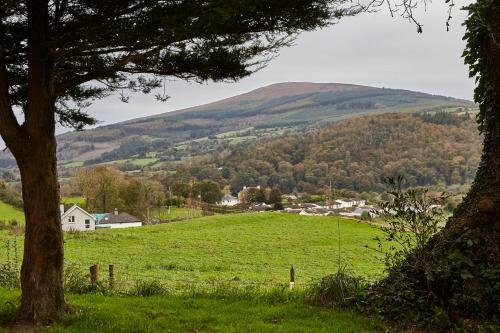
(242, 249)
(188, 314)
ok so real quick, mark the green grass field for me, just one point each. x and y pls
(175, 213)
(244, 249)
(198, 314)
(193, 259)
(8, 213)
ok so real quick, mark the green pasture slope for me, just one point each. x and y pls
(8, 213)
(235, 250)
(244, 249)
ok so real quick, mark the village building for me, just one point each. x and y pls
(76, 219)
(290, 198)
(259, 207)
(228, 200)
(117, 220)
(350, 203)
(358, 212)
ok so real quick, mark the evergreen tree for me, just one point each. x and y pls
(56, 55)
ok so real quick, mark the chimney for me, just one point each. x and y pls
(116, 211)
(61, 208)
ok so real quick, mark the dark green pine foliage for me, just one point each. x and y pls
(99, 47)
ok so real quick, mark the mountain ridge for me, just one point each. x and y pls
(268, 111)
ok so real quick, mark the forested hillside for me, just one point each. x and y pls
(267, 112)
(439, 149)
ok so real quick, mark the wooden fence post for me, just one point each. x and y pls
(292, 278)
(94, 274)
(111, 276)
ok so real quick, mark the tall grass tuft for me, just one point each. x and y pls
(340, 289)
(147, 288)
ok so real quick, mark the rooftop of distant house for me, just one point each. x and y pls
(116, 217)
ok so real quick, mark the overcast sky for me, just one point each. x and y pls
(370, 49)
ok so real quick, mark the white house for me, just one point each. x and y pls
(76, 219)
(343, 204)
(358, 212)
(349, 203)
(117, 220)
(228, 200)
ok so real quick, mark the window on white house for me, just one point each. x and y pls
(71, 219)
(87, 224)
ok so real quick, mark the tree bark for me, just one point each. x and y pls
(42, 298)
(42, 268)
(459, 286)
(482, 203)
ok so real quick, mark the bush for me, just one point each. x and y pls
(278, 206)
(413, 218)
(365, 216)
(340, 289)
(9, 276)
(9, 273)
(446, 281)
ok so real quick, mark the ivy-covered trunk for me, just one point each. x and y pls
(483, 55)
(462, 284)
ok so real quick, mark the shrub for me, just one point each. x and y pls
(9, 276)
(340, 289)
(278, 206)
(9, 312)
(365, 216)
(9, 273)
(412, 217)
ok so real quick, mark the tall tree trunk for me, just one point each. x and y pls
(42, 297)
(483, 200)
(42, 268)
(460, 286)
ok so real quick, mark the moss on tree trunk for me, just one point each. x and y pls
(462, 287)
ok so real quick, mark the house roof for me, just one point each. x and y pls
(228, 197)
(75, 207)
(110, 218)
